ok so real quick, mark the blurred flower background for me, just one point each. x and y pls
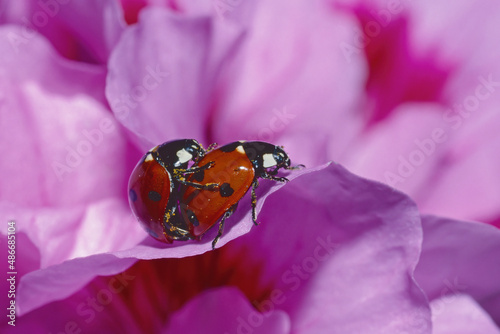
(392, 105)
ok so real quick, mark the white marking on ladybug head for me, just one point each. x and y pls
(149, 157)
(184, 156)
(240, 149)
(268, 160)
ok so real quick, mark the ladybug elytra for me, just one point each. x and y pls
(154, 187)
(236, 168)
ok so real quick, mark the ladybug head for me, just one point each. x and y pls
(281, 158)
(178, 153)
(194, 149)
(266, 157)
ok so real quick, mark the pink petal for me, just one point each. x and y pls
(397, 74)
(406, 163)
(132, 8)
(461, 258)
(69, 153)
(162, 72)
(69, 163)
(27, 259)
(460, 314)
(336, 248)
(434, 28)
(83, 30)
(65, 138)
(97, 308)
(432, 160)
(225, 310)
(465, 180)
(472, 103)
(290, 83)
(57, 282)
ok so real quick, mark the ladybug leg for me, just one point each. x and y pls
(226, 215)
(180, 175)
(210, 147)
(208, 186)
(295, 167)
(204, 152)
(255, 184)
(274, 178)
(176, 227)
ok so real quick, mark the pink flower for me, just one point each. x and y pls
(335, 253)
(430, 103)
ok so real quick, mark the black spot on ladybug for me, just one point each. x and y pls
(199, 176)
(192, 218)
(132, 195)
(225, 190)
(230, 147)
(154, 196)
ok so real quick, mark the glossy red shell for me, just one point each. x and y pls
(232, 169)
(149, 191)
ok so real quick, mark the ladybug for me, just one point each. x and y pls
(235, 167)
(154, 187)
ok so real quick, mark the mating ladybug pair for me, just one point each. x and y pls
(179, 190)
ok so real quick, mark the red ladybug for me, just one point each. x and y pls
(235, 168)
(154, 187)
